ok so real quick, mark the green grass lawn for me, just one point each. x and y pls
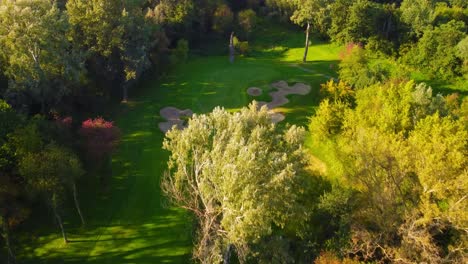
(130, 223)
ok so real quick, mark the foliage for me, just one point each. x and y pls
(406, 160)
(418, 14)
(180, 54)
(8, 120)
(328, 119)
(311, 11)
(337, 90)
(222, 18)
(329, 258)
(444, 14)
(436, 53)
(39, 60)
(241, 46)
(247, 20)
(100, 138)
(51, 170)
(234, 172)
(96, 25)
(354, 68)
(462, 53)
(339, 12)
(115, 30)
(173, 12)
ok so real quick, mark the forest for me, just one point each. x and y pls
(233, 131)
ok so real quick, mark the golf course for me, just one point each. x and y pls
(132, 222)
(233, 131)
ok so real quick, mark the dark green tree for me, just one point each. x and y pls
(39, 60)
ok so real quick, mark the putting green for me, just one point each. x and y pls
(130, 223)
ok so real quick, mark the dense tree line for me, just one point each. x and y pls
(403, 154)
(54, 52)
(429, 36)
(41, 162)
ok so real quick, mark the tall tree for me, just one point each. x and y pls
(407, 164)
(308, 13)
(38, 57)
(418, 14)
(240, 175)
(12, 210)
(115, 31)
(50, 172)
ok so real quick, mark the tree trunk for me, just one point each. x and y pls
(11, 258)
(306, 43)
(227, 254)
(59, 220)
(125, 92)
(77, 204)
(231, 48)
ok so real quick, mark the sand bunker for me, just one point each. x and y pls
(276, 117)
(254, 91)
(174, 118)
(279, 97)
(283, 89)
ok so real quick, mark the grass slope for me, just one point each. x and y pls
(130, 224)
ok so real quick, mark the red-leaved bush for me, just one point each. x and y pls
(349, 49)
(64, 122)
(100, 137)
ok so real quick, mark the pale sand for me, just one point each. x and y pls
(254, 91)
(283, 89)
(173, 117)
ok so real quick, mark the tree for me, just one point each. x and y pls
(309, 12)
(328, 119)
(337, 90)
(240, 175)
(247, 20)
(39, 59)
(418, 14)
(100, 137)
(222, 18)
(440, 159)
(354, 68)
(462, 53)
(12, 211)
(49, 173)
(404, 154)
(339, 15)
(436, 51)
(173, 12)
(116, 32)
(180, 53)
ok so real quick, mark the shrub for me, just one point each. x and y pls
(241, 46)
(180, 53)
(354, 67)
(100, 138)
(328, 119)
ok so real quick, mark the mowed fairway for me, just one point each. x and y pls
(131, 223)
